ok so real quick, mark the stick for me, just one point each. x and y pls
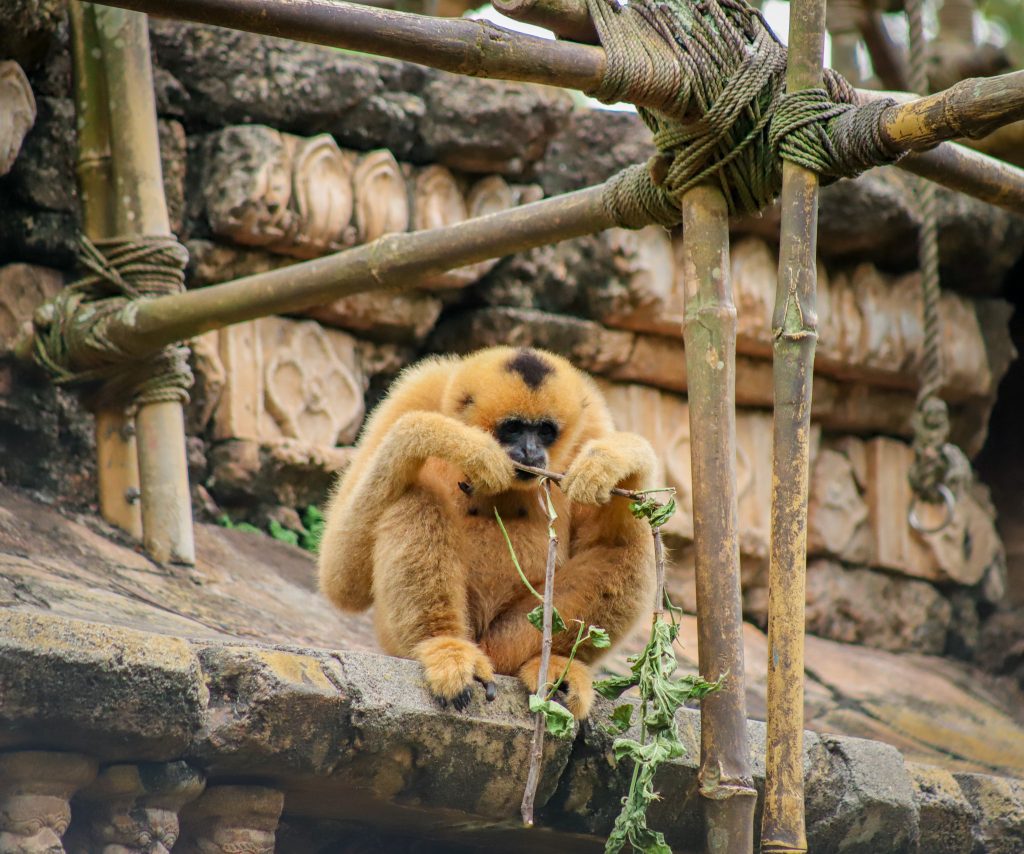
(537, 746)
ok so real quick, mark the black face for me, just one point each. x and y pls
(526, 442)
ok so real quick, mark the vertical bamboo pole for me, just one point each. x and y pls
(142, 210)
(794, 328)
(117, 464)
(709, 331)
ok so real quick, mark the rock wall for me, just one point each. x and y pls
(276, 152)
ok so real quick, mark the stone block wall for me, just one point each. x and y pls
(276, 152)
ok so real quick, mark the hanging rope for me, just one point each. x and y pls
(73, 338)
(717, 73)
(938, 469)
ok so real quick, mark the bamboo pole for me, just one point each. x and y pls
(709, 332)
(117, 463)
(794, 328)
(391, 261)
(481, 49)
(141, 210)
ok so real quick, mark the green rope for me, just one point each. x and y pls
(715, 73)
(937, 463)
(75, 332)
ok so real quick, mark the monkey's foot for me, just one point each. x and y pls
(578, 683)
(451, 665)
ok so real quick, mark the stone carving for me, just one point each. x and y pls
(289, 379)
(133, 809)
(382, 200)
(289, 194)
(35, 793)
(837, 517)
(23, 288)
(322, 197)
(231, 820)
(17, 112)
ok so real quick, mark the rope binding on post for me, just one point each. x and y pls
(717, 72)
(73, 339)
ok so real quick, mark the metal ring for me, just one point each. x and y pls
(948, 499)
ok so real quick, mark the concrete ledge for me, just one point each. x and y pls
(355, 737)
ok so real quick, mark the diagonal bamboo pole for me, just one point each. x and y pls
(794, 328)
(141, 210)
(482, 49)
(709, 332)
(117, 463)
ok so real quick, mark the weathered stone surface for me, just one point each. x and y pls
(130, 809)
(98, 688)
(875, 609)
(35, 791)
(591, 146)
(946, 816)
(837, 516)
(293, 474)
(210, 263)
(999, 807)
(23, 288)
(44, 173)
(18, 109)
(46, 437)
(289, 379)
(229, 819)
(404, 316)
(26, 26)
(490, 126)
(1001, 644)
(173, 162)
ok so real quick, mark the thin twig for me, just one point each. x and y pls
(537, 746)
(635, 495)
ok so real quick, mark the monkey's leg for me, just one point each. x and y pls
(420, 589)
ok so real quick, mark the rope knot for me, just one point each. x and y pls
(75, 334)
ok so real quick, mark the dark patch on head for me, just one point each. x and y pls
(465, 402)
(531, 367)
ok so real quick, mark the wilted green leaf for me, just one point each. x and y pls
(613, 687)
(622, 718)
(558, 719)
(536, 618)
(599, 637)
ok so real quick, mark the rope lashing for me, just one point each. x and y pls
(717, 74)
(938, 465)
(72, 332)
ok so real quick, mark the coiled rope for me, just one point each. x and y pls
(73, 332)
(716, 72)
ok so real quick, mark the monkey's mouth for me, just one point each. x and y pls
(524, 475)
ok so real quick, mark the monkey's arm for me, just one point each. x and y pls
(378, 481)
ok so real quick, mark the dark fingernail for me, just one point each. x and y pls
(462, 700)
(490, 691)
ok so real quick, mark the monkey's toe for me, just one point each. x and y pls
(576, 690)
(461, 702)
(451, 665)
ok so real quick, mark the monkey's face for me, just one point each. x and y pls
(526, 441)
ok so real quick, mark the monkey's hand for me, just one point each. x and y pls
(451, 665)
(577, 688)
(418, 435)
(619, 459)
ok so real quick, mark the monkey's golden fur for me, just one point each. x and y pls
(401, 534)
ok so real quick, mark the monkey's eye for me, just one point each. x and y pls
(510, 430)
(547, 432)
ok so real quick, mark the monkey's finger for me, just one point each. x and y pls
(461, 701)
(490, 688)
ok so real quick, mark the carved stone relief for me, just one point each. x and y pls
(133, 809)
(231, 820)
(17, 112)
(23, 288)
(382, 199)
(35, 793)
(289, 379)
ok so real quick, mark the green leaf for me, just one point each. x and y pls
(599, 637)
(246, 528)
(313, 522)
(536, 618)
(557, 719)
(622, 719)
(614, 686)
(515, 560)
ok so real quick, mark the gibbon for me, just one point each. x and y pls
(410, 528)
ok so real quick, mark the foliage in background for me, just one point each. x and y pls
(308, 538)
(1009, 16)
